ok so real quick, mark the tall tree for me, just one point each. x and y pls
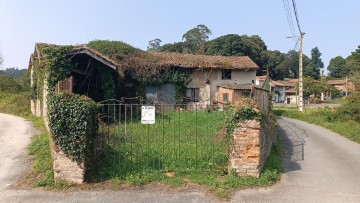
(273, 61)
(154, 45)
(353, 62)
(314, 67)
(235, 45)
(194, 39)
(338, 68)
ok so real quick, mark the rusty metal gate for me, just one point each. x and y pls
(155, 135)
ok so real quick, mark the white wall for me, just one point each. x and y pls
(200, 77)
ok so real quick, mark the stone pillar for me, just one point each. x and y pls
(244, 156)
(65, 168)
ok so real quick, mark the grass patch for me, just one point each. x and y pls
(327, 118)
(220, 184)
(183, 141)
(41, 174)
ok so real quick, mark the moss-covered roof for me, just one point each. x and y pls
(124, 56)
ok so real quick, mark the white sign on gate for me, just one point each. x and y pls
(147, 114)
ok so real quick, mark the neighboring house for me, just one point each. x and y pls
(345, 86)
(263, 82)
(291, 96)
(209, 74)
(284, 91)
(230, 93)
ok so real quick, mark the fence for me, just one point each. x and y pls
(261, 97)
(148, 135)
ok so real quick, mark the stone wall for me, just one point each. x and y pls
(252, 141)
(65, 169)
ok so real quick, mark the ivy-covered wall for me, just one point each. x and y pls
(73, 124)
(71, 118)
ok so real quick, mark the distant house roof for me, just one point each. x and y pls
(237, 86)
(203, 61)
(282, 83)
(260, 78)
(337, 82)
(294, 80)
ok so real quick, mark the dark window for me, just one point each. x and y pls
(226, 74)
(193, 94)
(225, 97)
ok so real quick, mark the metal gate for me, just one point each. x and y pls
(182, 137)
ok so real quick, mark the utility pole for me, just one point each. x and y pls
(301, 98)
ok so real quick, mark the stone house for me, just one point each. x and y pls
(209, 74)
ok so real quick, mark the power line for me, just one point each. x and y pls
(296, 45)
(296, 15)
(289, 18)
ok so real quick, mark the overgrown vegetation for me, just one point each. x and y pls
(138, 154)
(142, 68)
(220, 184)
(233, 115)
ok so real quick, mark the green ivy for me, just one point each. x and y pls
(234, 115)
(73, 123)
(57, 66)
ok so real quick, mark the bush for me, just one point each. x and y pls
(351, 107)
(15, 104)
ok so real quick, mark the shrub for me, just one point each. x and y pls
(351, 106)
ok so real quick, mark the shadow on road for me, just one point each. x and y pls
(292, 144)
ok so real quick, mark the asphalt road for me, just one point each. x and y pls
(320, 166)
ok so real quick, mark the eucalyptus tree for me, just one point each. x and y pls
(195, 38)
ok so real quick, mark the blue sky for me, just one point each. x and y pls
(332, 26)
